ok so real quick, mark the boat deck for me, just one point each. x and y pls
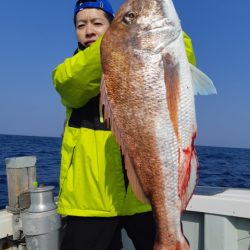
(216, 219)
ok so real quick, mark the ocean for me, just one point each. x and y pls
(218, 166)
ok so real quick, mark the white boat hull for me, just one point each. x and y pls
(215, 219)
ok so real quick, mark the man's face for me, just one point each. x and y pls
(90, 24)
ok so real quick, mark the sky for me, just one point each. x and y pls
(36, 36)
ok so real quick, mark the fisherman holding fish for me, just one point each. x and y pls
(95, 194)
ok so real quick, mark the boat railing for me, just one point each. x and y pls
(216, 218)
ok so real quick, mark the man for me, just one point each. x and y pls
(94, 190)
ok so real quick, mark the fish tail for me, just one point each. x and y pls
(178, 245)
(182, 245)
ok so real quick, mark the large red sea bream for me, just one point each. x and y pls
(148, 92)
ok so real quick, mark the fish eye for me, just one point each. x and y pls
(129, 17)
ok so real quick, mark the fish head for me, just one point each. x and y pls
(143, 25)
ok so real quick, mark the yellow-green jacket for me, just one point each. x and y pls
(92, 178)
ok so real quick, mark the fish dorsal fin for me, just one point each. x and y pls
(106, 114)
(134, 181)
(202, 84)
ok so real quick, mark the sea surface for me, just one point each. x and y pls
(218, 166)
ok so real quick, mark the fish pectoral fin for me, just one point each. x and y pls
(134, 181)
(172, 82)
(202, 84)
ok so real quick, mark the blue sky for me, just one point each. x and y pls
(36, 36)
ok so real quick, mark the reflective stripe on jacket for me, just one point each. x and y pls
(92, 177)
